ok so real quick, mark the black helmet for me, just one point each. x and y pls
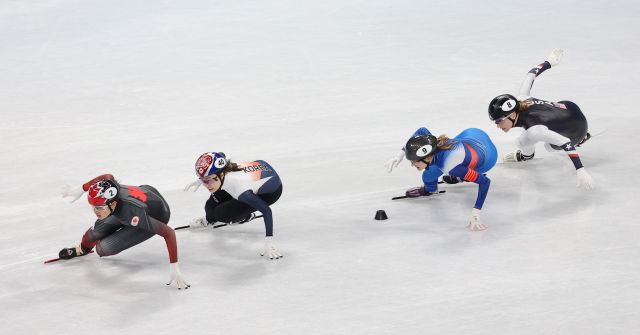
(502, 106)
(420, 146)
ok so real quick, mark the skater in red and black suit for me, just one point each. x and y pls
(127, 216)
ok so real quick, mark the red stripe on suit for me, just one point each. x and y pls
(472, 175)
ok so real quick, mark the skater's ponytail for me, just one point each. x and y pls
(444, 143)
(231, 167)
(523, 105)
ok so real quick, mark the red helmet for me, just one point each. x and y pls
(103, 192)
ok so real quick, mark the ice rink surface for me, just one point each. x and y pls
(326, 92)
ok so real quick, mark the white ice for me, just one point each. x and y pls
(326, 91)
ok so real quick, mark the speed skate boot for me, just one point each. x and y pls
(244, 219)
(586, 138)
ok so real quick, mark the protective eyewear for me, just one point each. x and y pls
(209, 180)
(100, 208)
(424, 160)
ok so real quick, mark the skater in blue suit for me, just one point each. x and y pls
(466, 157)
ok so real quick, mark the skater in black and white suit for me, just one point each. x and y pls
(560, 125)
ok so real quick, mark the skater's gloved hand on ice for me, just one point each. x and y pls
(584, 179)
(68, 253)
(510, 157)
(198, 222)
(416, 192)
(516, 156)
(195, 185)
(74, 193)
(393, 162)
(270, 250)
(555, 56)
(474, 222)
(175, 277)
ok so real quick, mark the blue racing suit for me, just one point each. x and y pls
(472, 155)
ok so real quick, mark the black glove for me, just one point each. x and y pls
(451, 179)
(454, 180)
(520, 157)
(68, 253)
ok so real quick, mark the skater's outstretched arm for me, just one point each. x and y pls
(553, 60)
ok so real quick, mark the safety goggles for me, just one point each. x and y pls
(100, 208)
(498, 121)
(210, 179)
(424, 160)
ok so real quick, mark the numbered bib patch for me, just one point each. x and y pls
(424, 150)
(220, 163)
(110, 193)
(509, 105)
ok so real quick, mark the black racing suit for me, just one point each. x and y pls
(140, 213)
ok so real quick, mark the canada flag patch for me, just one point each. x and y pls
(134, 221)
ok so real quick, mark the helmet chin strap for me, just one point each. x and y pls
(424, 160)
(432, 155)
(109, 206)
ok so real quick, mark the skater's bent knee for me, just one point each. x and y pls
(104, 252)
